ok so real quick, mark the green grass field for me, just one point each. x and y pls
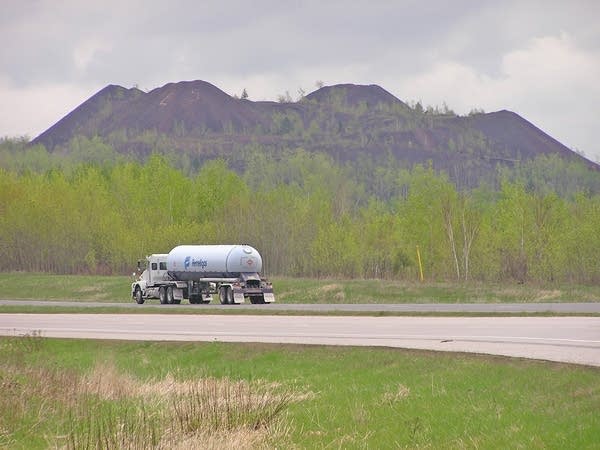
(79, 394)
(297, 290)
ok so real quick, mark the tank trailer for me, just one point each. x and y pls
(197, 272)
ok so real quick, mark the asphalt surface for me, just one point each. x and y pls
(476, 308)
(564, 339)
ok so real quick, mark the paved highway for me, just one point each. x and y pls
(566, 339)
(475, 308)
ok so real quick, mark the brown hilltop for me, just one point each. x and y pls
(505, 128)
(347, 121)
(191, 104)
(353, 95)
(95, 110)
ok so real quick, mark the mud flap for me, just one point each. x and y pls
(238, 296)
(269, 297)
(178, 294)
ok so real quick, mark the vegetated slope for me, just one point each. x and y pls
(88, 117)
(507, 129)
(354, 95)
(349, 122)
(177, 107)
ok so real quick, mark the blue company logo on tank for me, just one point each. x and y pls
(191, 262)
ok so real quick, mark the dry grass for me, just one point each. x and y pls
(398, 393)
(108, 383)
(235, 439)
(328, 288)
(547, 296)
(334, 292)
(167, 413)
(106, 408)
(30, 394)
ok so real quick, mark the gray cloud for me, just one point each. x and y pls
(540, 59)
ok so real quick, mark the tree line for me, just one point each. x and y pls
(306, 214)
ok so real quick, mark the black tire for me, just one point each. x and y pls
(193, 300)
(170, 298)
(229, 295)
(223, 294)
(139, 299)
(162, 295)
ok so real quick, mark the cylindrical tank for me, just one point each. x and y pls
(190, 262)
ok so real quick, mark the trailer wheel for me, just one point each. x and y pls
(162, 295)
(170, 298)
(229, 295)
(223, 294)
(138, 296)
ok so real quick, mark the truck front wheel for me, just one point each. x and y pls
(138, 296)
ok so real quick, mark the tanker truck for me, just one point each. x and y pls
(196, 272)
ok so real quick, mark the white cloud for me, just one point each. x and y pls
(551, 63)
(549, 81)
(88, 50)
(31, 110)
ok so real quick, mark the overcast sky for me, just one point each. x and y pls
(540, 59)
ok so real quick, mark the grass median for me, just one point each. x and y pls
(88, 394)
(110, 289)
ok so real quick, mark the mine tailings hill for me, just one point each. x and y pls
(349, 122)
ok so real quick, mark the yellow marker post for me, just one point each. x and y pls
(420, 265)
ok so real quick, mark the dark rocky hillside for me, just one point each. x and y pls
(349, 122)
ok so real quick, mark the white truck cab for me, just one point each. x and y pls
(154, 282)
(156, 268)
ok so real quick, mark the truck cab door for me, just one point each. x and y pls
(157, 270)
